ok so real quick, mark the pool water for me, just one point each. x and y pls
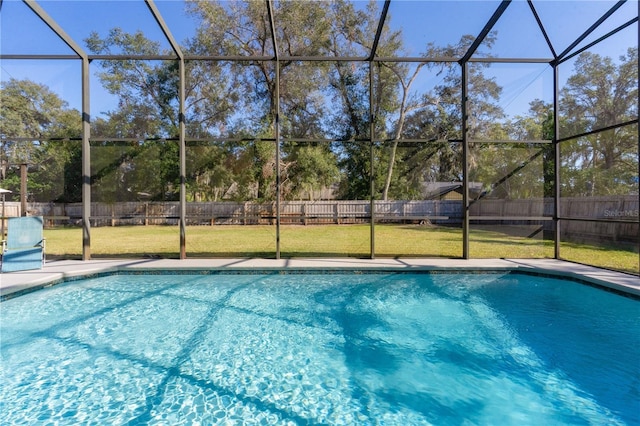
(345, 348)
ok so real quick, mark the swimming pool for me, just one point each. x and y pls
(341, 348)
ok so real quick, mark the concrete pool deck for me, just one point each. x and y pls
(15, 283)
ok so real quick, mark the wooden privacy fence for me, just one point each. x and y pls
(604, 209)
(595, 213)
(588, 219)
(249, 213)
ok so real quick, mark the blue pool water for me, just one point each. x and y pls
(389, 349)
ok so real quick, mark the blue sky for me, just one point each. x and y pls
(420, 21)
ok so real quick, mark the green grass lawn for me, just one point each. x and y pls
(322, 241)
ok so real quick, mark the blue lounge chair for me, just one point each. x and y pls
(24, 247)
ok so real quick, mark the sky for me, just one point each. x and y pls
(421, 21)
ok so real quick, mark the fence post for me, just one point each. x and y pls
(244, 213)
(304, 213)
(23, 190)
(404, 212)
(274, 209)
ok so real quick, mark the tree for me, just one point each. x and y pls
(57, 172)
(146, 90)
(39, 129)
(349, 84)
(148, 107)
(407, 105)
(538, 124)
(437, 118)
(600, 93)
(310, 169)
(242, 28)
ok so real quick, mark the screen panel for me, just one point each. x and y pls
(230, 198)
(134, 193)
